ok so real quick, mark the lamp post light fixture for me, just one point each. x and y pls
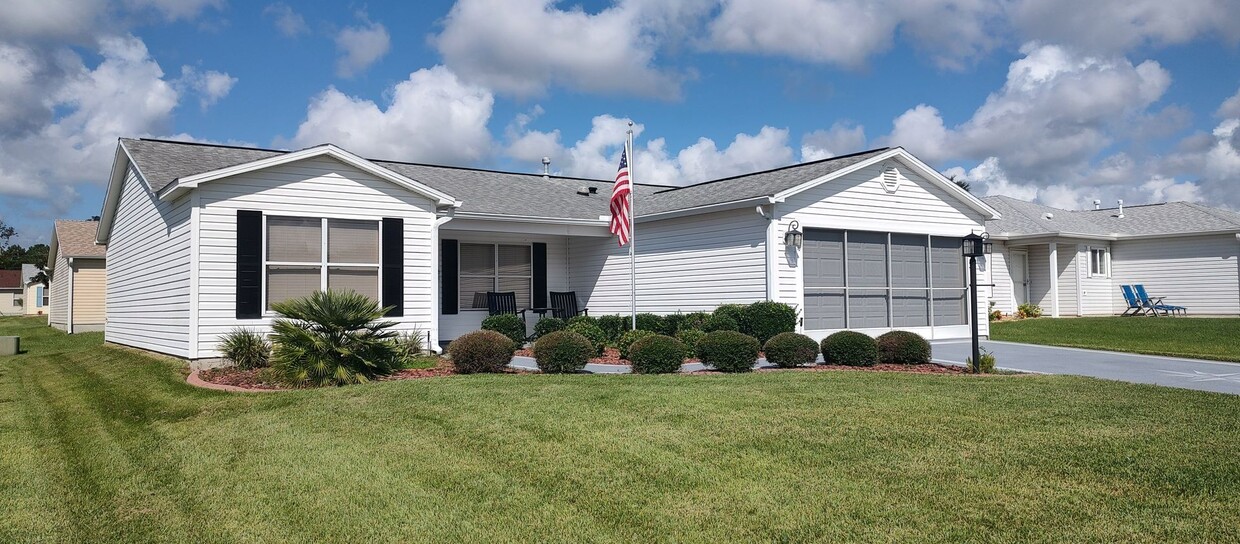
(975, 245)
(794, 237)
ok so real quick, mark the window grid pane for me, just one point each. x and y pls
(351, 241)
(515, 261)
(362, 280)
(286, 282)
(473, 291)
(294, 239)
(520, 286)
(477, 260)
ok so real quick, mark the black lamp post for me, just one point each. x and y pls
(975, 245)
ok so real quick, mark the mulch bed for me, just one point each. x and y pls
(246, 379)
(611, 356)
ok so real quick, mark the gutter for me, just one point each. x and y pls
(733, 204)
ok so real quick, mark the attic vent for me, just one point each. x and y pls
(890, 179)
(584, 191)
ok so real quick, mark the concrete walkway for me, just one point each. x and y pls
(1196, 374)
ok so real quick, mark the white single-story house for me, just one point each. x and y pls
(201, 239)
(1072, 263)
(75, 270)
(37, 300)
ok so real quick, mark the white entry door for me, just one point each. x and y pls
(1018, 270)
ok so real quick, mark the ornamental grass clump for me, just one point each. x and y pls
(903, 348)
(850, 348)
(789, 350)
(332, 338)
(562, 352)
(656, 354)
(481, 351)
(245, 348)
(510, 325)
(627, 339)
(729, 351)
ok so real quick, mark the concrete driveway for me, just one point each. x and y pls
(1169, 371)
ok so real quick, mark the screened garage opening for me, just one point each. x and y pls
(882, 280)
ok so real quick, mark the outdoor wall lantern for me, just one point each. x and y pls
(794, 237)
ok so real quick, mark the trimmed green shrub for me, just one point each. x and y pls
(245, 348)
(903, 348)
(672, 323)
(729, 351)
(656, 354)
(650, 322)
(765, 319)
(690, 338)
(850, 348)
(734, 311)
(562, 352)
(596, 336)
(332, 338)
(548, 325)
(582, 319)
(695, 320)
(614, 326)
(510, 325)
(627, 339)
(720, 322)
(481, 351)
(789, 349)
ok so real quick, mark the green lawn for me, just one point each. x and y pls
(1201, 338)
(102, 444)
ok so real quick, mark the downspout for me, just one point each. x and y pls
(69, 301)
(772, 228)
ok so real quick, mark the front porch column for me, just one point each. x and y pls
(1054, 264)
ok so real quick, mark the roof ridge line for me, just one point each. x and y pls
(776, 169)
(1212, 212)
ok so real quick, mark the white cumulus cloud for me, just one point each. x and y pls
(209, 85)
(290, 23)
(361, 46)
(841, 139)
(430, 117)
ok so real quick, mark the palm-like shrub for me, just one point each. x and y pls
(903, 348)
(656, 354)
(562, 352)
(481, 351)
(789, 350)
(849, 348)
(510, 325)
(245, 348)
(729, 351)
(332, 338)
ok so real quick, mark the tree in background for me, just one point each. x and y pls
(13, 256)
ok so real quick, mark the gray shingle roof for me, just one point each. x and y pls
(483, 191)
(1027, 218)
(77, 239)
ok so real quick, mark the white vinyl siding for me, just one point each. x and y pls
(684, 264)
(318, 187)
(148, 271)
(468, 319)
(1198, 272)
(860, 201)
(1096, 289)
(1003, 292)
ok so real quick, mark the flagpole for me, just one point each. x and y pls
(632, 232)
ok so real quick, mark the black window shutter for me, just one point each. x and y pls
(540, 275)
(249, 264)
(393, 262)
(449, 268)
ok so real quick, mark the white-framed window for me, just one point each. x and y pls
(43, 292)
(1099, 262)
(307, 254)
(495, 267)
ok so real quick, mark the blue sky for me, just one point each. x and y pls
(1046, 100)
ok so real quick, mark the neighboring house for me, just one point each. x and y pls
(1072, 263)
(201, 239)
(11, 293)
(77, 275)
(36, 294)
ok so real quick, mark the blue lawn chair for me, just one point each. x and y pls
(1156, 303)
(1134, 304)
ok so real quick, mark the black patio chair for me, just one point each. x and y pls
(564, 305)
(503, 303)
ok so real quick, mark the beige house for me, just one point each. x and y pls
(77, 275)
(37, 300)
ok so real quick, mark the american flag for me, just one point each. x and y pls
(621, 207)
